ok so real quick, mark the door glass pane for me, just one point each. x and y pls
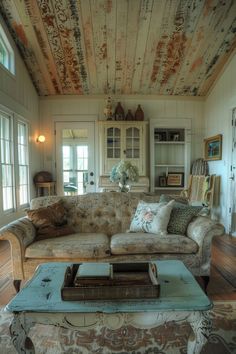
(75, 161)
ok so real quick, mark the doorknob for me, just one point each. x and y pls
(91, 174)
(92, 183)
(232, 178)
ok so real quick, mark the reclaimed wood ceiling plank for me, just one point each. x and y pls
(120, 44)
(110, 13)
(131, 43)
(100, 43)
(86, 18)
(143, 30)
(151, 62)
(44, 51)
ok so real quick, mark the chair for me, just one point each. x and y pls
(203, 190)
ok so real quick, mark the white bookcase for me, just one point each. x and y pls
(170, 153)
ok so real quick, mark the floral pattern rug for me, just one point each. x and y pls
(170, 338)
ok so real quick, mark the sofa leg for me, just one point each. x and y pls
(16, 283)
(205, 279)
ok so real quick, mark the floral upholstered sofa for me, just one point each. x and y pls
(106, 227)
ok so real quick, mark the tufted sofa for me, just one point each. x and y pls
(100, 222)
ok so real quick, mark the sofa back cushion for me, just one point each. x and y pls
(107, 212)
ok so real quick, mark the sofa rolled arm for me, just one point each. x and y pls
(20, 234)
(202, 229)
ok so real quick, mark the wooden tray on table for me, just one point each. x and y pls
(126, 281)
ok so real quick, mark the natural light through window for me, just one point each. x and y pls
(75, 168)
(23, 163)
(7, 58)
(7, 171)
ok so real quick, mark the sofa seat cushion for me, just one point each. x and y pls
(140, 242)
(79, 245)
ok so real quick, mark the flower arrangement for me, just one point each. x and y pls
(124, 172)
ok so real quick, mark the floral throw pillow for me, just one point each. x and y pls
(151, 217)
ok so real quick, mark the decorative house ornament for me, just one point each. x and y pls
(124, 173)
(129, 115)
(108, 109)
(139, 115)
(119, 112)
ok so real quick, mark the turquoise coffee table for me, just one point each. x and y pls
(181, 300)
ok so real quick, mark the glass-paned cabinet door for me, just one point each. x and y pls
(132, 139)
(113, 143)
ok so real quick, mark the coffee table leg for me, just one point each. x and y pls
(19, 331)
(201, 325)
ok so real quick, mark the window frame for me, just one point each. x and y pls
(15, 121)
(9, 62)
(20, 121)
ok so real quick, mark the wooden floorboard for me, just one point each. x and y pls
(222, 285)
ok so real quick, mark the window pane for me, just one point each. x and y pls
(23, 165)
(7, 198)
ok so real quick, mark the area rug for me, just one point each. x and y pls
(166, 339)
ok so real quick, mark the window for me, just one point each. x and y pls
(7, 58)
(7, 171)
(23, 163)
(14, 168)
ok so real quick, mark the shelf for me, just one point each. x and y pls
(169, 188)
(168, 165)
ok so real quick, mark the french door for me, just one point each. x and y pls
(75, 162)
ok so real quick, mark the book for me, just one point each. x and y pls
(94, 270)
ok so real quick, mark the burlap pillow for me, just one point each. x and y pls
(50, 221)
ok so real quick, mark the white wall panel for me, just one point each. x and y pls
(217, 117)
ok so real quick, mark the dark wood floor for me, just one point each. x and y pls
(222, 285)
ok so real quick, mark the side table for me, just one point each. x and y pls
(50, 186)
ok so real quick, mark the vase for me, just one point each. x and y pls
(125, 188)
(119, 112)
(139, 115)
(129, 115)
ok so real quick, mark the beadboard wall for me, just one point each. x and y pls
(217, 120)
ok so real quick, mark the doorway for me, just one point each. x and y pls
(75, 162)
(232, 189)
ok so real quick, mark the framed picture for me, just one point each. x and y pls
(175, 179)
(161, 136)
(174, 136)
(162, 181)
(213, 148)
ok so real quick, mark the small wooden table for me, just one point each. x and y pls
(40, 301)
(50, 186)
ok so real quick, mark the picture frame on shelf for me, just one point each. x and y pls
(174, 136)
(162, 181)
(175, 179)
(160, 136)
(213, 148)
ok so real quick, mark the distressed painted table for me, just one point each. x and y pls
(181, 300)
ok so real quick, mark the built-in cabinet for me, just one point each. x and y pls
(122, 140)
(170, 153)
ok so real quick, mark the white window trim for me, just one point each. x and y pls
(16, 207)
(10, 66)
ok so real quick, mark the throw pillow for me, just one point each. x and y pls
(49, 221)
(180, 217)
(151, 217)
(165, 198)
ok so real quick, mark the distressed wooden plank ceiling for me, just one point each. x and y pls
(164, 47)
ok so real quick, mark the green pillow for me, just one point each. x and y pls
(180, 217)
